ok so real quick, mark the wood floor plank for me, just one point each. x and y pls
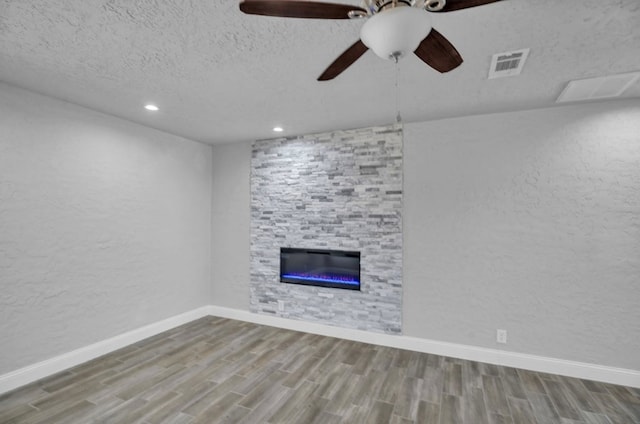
(354, 353)
(366, 391)
(343, 399)
(292, 406)
(21, 396)
(450, 410)
(396, 419)
(591, 418)
(432, 385)
(70, 414)
(268, 385)
(543, 408)
(471, 376)
(331, 383)
(402, 358)
(474, 408)
(383, 359)
(310, 409)
(143, 385)
(531, 382)
(391, 385)
(595, 386)
(176, 404)
(16, 413)
(216, 408)
(428, 412)
(150, 406)
(363, 364)
(495, 396)
(119, 413)
(300, 374)
(453, 379)
(609, 406)
(417, 365)
(212, 396)
(579, 394)
(325, 417)
(380, 412)
(406, 404)
(512, 383)
(234, 415)
(251, 380)
(72, 393)
(216, 370)
(500, 419)
(561, 400)
(521, 411)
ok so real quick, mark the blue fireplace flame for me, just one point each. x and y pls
(341, 279)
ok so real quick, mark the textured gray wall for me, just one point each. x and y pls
(230, 225)
(104, 227)
(339, 190)
(530, 222)
(526, 221)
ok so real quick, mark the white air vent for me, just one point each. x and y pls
(507, 64)
(597, 88)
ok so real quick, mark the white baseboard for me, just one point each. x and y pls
(544, 364)
(587, 371)
(59, 363)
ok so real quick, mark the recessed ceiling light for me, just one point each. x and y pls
(151, 107)
(277, 129)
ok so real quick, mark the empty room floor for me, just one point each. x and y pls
(219, 370)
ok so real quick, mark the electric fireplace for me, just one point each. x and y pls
(324, 268)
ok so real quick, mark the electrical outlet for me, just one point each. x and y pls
(281, 305)
(501, 336)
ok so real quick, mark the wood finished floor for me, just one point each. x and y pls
(218, 370)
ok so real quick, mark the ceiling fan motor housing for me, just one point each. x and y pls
(434, 5)
(379, 5)
(375, 6)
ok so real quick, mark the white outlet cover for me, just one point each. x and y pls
(501, 336)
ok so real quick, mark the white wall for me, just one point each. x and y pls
(230, 225)
(104, 226)
(530, 222)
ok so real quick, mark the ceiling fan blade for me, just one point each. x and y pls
(343, 61)
(437, 52)
(298, 9)
(452, 5)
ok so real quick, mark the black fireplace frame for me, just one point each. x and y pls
(339, 255)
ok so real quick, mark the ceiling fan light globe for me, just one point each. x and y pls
(396, 32)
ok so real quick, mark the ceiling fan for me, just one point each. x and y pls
(393, 28)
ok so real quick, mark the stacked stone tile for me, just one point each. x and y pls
(340, 190)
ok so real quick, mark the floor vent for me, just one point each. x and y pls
(508, 64)
(597, 88)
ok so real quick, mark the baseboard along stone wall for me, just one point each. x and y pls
(340, 190)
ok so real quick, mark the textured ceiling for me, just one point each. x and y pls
(222, 76)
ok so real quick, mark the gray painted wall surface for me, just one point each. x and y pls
(526, 221)
(340, 190)
(104, 227)
(230, 225)
(529, 222)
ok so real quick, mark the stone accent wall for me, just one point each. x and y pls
(339, 190)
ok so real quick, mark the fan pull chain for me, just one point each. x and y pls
(398, 117)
